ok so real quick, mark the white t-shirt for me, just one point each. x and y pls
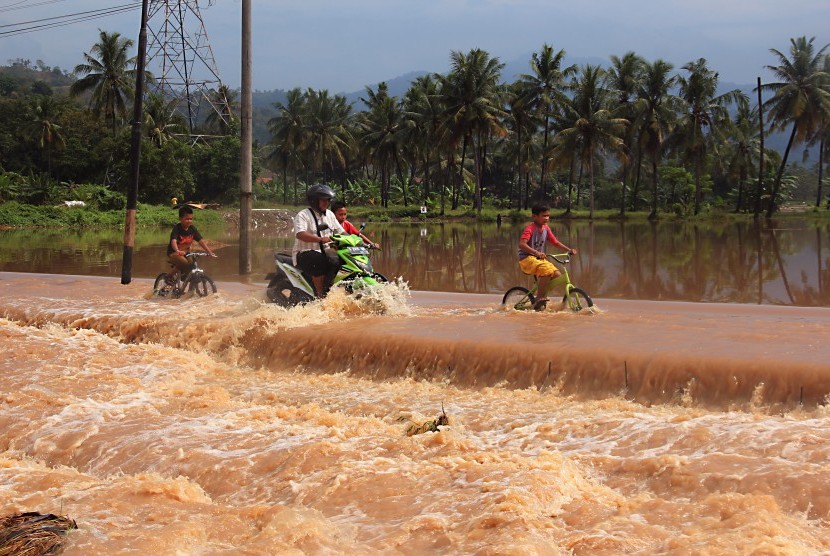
(304, 222)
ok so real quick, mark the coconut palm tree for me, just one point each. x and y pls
(421, 126)
(109, 73)
(472, 97)
(624, 77)
(379, 128)
(161, 122)
(822, 139)
(704, 112)
(654, 116)
(521, 125)
(224, 106)
(595, 130)
(801, 98)
(45, 112)
(743, 148)
(289, 135)
(546, 91)
(329, 133)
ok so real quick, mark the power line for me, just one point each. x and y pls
(67, 19)
(16, 5)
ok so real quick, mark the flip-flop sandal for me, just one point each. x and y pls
(540, 304)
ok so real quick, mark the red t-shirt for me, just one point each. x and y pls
(536, 237)
(350, 229)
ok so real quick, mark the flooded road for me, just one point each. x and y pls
(226, 425)
(772, 262)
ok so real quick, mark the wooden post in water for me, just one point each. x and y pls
(245, 186)
(135, 151)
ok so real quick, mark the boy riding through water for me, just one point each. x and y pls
(532, 258)
(182, 236)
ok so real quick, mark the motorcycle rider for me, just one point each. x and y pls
(313, 227)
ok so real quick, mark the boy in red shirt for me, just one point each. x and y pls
(532, 259)
(181, 237)
(339, 210)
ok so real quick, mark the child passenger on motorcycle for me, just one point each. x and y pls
(532, 259)
(182, 237)
(313, 227)
(339, 210)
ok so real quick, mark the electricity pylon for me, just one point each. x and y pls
(181, 60)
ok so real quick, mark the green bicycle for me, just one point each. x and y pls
(575, 299)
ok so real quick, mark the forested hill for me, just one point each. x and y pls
(23, 77)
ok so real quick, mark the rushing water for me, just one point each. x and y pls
(227, 425)
(230, 426)
(782, 263)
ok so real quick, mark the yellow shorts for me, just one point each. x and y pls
(537, 267)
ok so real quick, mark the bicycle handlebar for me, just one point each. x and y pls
(561, 258)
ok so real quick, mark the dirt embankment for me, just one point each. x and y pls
(276, 219)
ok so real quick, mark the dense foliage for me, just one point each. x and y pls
(635, 135)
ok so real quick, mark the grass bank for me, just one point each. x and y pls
(19, 215)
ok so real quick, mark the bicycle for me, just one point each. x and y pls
(523, 299)
(194, 282)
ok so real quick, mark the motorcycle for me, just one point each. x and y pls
(289, 286)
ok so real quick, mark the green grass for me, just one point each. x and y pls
(18, 215)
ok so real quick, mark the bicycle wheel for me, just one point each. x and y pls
(577, 300)
(281, 292)
(202, 285)
(518, 298)
(161, 287)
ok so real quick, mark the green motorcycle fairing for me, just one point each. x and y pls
(356, 267)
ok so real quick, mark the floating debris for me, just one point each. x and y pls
(427, 426)
(33, 534)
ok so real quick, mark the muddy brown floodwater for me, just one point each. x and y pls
(228, 425)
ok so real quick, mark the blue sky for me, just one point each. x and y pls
(343, 46)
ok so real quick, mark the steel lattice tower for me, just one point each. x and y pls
(181, 60)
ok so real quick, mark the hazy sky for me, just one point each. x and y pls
(344, 45)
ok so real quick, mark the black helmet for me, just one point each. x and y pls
(319, 191)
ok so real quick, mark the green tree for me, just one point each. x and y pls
(224, 106)
(472, 98)
(45, 111)
(289, 136)
(624, 77)
(704, 112)
(654, 117)
(161, 121)
(327, 122)
(801, 99)
(546, 92)
(595, 130)
(108, 76)
(743, 149)
(379, 131)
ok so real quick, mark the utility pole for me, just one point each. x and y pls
(135, 151)
(245, 199)
(760, 191)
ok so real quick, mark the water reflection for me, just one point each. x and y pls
(782, 262)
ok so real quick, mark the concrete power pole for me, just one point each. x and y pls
(135, 152)
(245, 198)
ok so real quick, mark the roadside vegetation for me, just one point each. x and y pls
(638, 139)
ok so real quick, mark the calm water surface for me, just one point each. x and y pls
(786, 263)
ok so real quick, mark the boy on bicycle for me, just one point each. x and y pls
(532, 259)
(181, 237)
